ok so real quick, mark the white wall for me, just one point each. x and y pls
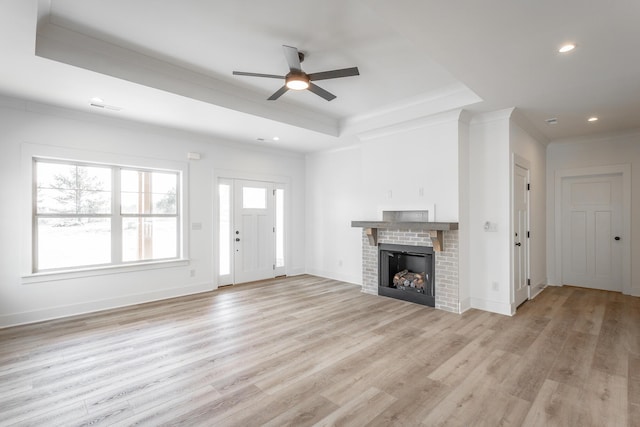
(408, 167)
(621, 149)
(23, 300)
(334, 198)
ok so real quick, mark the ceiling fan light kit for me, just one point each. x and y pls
(297, 79)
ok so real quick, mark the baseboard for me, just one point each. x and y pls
(492, 306)
(298, 271)
(59, 312)
(464, 305)
(356, 280)
(537, 289)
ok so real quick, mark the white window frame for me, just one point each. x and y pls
(33, 152)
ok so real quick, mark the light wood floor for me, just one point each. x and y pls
(305, 350)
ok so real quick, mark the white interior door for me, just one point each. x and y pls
(520, 240)
(591, 231)
(253, 231)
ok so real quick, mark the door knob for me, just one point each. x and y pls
(617, 238)
(518, 244)
(237, 239)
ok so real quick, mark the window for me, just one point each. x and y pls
(280, 227)
(254, 198)
(95, 215)
(224, 202)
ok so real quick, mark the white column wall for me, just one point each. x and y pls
(534, 152)
(489, 265)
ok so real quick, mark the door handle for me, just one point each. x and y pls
(237, 239)
(518, 244)
(617, 238)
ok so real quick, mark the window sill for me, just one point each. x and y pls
(50, 276)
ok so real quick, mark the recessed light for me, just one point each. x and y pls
(552, 121)
(260, 139)
(276, 138)
(592, 119)
(567, 48)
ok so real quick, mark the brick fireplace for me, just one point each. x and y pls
(443, 237)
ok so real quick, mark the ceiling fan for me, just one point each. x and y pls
(298, 79)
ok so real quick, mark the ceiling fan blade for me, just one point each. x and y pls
(271, 76)
(293, 59)
(278, 93)
(321, 92)
(334, 74)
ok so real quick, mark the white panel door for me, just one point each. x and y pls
(254, 231)
(520, 240)
(591, 232)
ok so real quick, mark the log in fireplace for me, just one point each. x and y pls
(406, 272)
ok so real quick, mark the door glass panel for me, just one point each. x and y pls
(279, 227)
(254, 198)
(224, 199)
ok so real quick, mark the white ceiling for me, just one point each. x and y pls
(170, 63)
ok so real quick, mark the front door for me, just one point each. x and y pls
(253, 232)
(591, 231)
(520, 240)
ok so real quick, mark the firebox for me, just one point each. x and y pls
(406, 272)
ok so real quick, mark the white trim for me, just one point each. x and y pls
(608, 137)
(625, 171)
(492, 116)
(464, 305)
(95, 306)
(297, 271)
(229, 175)
(29, 151)
(51, 276)
(538, 290)
(492, 306)
(409, 125)
(347, 278)
(517, 160)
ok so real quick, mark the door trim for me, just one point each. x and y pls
(222, 174)
(524, 164)
(625, 171)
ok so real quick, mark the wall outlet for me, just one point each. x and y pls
(339, 263)
(495, 286)
(192, 273)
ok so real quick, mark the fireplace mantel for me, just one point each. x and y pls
(435, 229)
